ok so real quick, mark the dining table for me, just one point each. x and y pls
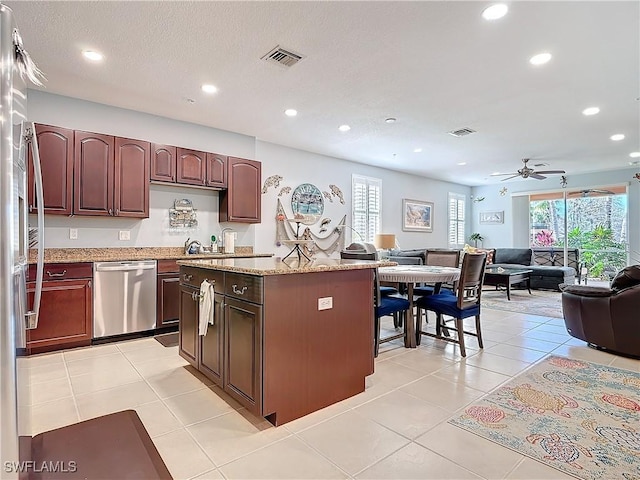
(409, 275)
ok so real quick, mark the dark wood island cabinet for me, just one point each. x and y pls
(270, 347)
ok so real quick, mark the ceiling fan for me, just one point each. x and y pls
(590, 192)
(526, 172)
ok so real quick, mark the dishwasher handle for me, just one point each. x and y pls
(124, 267)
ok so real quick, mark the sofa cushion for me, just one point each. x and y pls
(548, 271)
(416, 252)
(520, 256)
(586, 291)
(627, 277)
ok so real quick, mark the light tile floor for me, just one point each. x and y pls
(395, 429)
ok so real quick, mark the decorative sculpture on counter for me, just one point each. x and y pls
(182, 215)
(272, 181)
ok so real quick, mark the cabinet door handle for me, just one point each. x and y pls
(237, 291)
(187, 277)
(62, 274)
(117, 212)
(196, 296)
(110, 212)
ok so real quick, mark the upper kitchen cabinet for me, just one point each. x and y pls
(131, 184)
(216, 170)
(163, 163)
(111, 176)
(241, 201)
(191, 167)
(56, 158)
(94, 162)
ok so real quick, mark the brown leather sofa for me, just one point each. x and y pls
(606, 318)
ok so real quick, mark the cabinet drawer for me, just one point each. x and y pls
(194, 277)
(62, 271)
(244, 287)
(168, 266)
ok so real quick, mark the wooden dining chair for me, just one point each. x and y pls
(465, 303)
(390, 305)
(438, 258)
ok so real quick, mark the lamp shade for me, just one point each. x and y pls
(385, 240)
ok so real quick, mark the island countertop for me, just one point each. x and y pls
(277, 266)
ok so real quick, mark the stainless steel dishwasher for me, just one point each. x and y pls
(124, 297)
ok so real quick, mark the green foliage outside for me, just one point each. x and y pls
(599, 252)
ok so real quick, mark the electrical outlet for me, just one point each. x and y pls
(73, 234)
(124, 235)
(325, 303)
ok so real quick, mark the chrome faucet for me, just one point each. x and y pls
(188, 244)
(226, 229)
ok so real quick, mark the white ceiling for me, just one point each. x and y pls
(436, 66)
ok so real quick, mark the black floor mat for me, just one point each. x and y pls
(168, 339)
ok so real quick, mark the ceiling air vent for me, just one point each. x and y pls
(282, 57)
(461, 132)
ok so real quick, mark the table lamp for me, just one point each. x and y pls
(384, 242)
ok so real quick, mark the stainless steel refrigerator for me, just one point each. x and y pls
(16, 136)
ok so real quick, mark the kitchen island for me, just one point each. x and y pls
(288, 337)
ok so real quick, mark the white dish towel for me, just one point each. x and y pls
(206, 309)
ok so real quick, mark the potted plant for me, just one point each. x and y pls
(475, 238)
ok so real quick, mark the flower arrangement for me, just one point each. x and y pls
(544, 238)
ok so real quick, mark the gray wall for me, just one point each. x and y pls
(295, 166)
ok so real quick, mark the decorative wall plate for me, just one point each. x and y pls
(307, 200)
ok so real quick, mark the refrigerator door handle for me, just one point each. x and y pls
(30, 140)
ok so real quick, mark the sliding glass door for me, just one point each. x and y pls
(592, 220)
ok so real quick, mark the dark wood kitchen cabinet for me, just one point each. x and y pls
(163, 163)
(65, 307)
(111, 176)
(131, 183)
(93, 172)
(188, 346)
(191, 167)
(241, 201)
(216, 170)
(56, 159)
(168, 294)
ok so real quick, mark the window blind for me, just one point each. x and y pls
(366, 193)
(457, 235)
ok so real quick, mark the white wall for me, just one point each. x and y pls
(295, 166)
(504, 235)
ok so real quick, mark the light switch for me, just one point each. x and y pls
(73, 233)
(325, 303)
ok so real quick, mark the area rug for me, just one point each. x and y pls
(540, 302)
(578, 417)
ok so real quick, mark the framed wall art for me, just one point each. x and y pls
(492, 217)
(417, 216)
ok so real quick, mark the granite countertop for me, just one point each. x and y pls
(278, 266)
(76, 255)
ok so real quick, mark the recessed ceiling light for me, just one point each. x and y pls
(591, 111)
(634, 154)
(540, 59)
(390, 120)
(617, 137)
(208, 88)
(417, 150)
(344, 128)
(290, 112)
(462, 163)
(494, 12)
(92, 55)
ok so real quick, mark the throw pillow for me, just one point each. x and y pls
(489, 252)
(627, 277)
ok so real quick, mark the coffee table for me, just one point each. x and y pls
(506, 276)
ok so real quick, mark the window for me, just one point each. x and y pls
(366, 207)
(457, 204)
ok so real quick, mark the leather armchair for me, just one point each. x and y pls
(606, 317)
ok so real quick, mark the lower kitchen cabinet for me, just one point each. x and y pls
(168, 294)
(188, 334)
(65, 315)
(211, 360)
(243, 352)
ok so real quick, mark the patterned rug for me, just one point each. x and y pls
(578, 417)
(540, 302)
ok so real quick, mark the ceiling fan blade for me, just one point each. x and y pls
(509, 178)
(537, 176)
(550, 172)
(501, 174)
